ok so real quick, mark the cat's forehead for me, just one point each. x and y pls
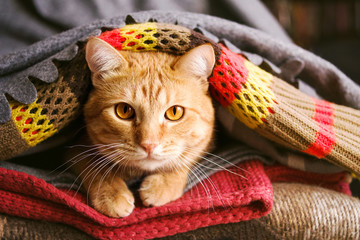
(157, 89)
(148, 81)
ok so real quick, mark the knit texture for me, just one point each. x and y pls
(299, 212)
(13, 228)
(234, 199)
(261, 101)
(57, 105)
(307, 220)
(226, 198)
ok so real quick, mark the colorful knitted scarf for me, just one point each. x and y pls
(261, 101)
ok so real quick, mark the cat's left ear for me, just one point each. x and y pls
(101, 56)
(198, 62)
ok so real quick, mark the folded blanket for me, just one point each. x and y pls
(223, 198)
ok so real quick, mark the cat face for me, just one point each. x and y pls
(149, 110)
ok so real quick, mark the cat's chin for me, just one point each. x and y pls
(150, 164)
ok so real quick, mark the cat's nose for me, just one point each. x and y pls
(149, 147)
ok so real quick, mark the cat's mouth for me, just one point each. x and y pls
(149, 163)
(153, 161)
(154, 155)
(151, 158)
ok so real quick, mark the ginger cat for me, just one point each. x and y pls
(149, 114)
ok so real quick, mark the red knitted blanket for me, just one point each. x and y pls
(226, 198)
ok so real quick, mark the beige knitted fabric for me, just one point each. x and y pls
(311, 212)
(299, 212)
(316, 127)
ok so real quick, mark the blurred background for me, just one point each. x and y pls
(328, 28)
(331, 29)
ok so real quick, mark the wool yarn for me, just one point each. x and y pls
(261, 101)
(57, 105)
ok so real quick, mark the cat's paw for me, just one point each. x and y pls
(156, 190)
(113, 201)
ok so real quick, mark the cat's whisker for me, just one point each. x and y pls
(217, 164)
(95, 162)
(116, 162)
(80, 129)
(122, 166)
(119, 164)
(221, 158)
(106, 158)
(206, 178)
(70, 160)
(101, 149)
(199, 168)
(213, 185)
(192, 182)
(192, 171)
(85, 154)
(207, 167)
(194, 185)
(179, 168)
(175, 166)
(91, 165)
(105, 162)
(201, 183)
(94, 145)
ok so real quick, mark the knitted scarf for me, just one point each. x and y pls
(261, 101)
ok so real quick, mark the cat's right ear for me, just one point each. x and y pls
(101, 56)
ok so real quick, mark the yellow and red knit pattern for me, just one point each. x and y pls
(283, 114)
(242, 88)
(261, 101)
(57, 105)
(245, 90)
(32, 123)
(133, 37)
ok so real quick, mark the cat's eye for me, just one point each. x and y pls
(174, 113)
(124, 111)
